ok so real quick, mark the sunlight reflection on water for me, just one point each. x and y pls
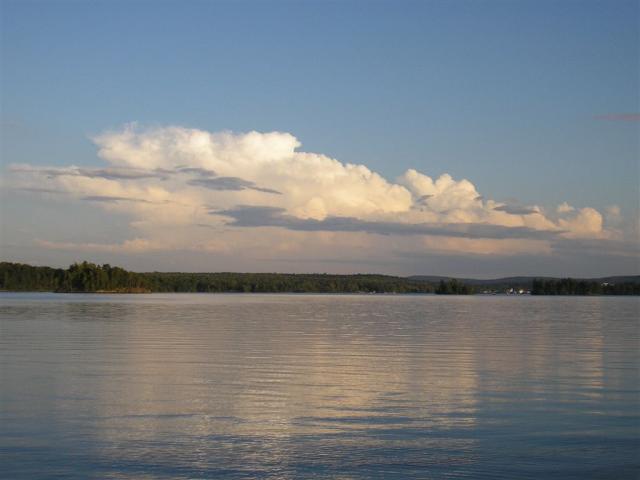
(315, 386)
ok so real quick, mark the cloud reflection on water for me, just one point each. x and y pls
(334, 386)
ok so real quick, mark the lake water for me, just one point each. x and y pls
(318, 386)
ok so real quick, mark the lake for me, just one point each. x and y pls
(318, 386)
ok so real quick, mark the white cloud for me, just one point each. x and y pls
(168, 180)
(564, 208)
(613, 216)
(444, 194)
(586, 222)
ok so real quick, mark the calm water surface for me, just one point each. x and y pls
(314, 386)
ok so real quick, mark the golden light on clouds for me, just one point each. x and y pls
(192, 190)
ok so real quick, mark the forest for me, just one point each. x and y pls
(570, 286)
(79, 277)
(89, 277)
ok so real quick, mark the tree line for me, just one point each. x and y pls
(89, 277)
(79, 277)
(570, 286)
(453, 287)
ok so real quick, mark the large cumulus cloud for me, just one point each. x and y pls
(191, 189)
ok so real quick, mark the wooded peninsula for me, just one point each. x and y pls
(88, 277)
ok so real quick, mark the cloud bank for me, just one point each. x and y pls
(258, 191)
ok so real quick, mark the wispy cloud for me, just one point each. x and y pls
(136, 245)
(619, 117)
(256, 216)
(50, 191)
(110, 199)
(516, 209)
(229, 183)
(106, 173)
(203, 172)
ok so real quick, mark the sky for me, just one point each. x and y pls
(461, 138)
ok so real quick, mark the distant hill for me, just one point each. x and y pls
(619, 279)
(522, 282)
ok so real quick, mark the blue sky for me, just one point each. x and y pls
(518, 97)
